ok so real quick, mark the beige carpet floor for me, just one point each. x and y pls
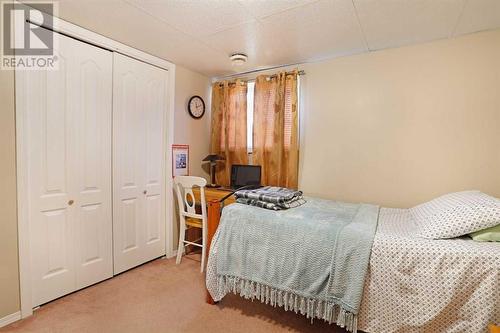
(160, 296)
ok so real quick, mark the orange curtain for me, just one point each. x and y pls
(229, 127)
(275, 129)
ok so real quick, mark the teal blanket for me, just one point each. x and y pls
(311, 259)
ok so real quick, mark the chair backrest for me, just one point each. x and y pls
(185, 197)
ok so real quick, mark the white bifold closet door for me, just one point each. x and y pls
(68, 121)
(139, 105)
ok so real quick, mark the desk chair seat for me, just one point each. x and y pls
(187, 213)
(195, 223)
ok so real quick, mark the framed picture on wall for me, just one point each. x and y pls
(180, 160)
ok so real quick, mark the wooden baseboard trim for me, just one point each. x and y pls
(10, 318)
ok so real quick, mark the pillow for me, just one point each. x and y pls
(456, 214)
(487, 235)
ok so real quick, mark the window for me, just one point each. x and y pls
(270, 122)
(250, 95)
(269, 132)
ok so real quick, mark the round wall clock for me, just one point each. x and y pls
(196, 107)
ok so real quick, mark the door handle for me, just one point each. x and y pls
(145, 192)
(71, 202)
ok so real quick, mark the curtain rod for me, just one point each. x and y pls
(259, 70)
(301, 72)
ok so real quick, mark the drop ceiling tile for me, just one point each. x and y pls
(199, 57)
(318, 30)
(262, 47)
(390, 23)
(197, 18)
(479, 15)
(263, 8)
(124, 23)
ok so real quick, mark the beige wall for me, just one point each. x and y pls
(400, 126)
(9, 276)
(190, 131)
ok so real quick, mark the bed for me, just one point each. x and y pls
(419, 285)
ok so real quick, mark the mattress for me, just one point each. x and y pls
(420, 285)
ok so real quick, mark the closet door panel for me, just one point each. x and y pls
(93, 164)
(153, 221)
(129, 161)
(51, 218)
(129, 236)
(139, 153)
(155, 106)
(130, 133)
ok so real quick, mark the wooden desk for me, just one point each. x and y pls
(212, 197)
(213, 194)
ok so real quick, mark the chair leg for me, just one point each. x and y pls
(182, 235)
(204, 248)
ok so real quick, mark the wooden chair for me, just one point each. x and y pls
(187, 213)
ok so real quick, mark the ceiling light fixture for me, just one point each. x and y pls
(238, 59)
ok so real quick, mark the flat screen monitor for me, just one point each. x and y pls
(244, 175)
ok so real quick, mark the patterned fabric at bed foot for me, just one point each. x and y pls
(420, 285)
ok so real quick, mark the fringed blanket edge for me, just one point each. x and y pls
(289, 301)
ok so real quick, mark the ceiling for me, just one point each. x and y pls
(201, 34)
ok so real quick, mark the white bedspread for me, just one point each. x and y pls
(420, 285)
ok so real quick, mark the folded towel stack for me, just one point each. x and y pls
(271, 197)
